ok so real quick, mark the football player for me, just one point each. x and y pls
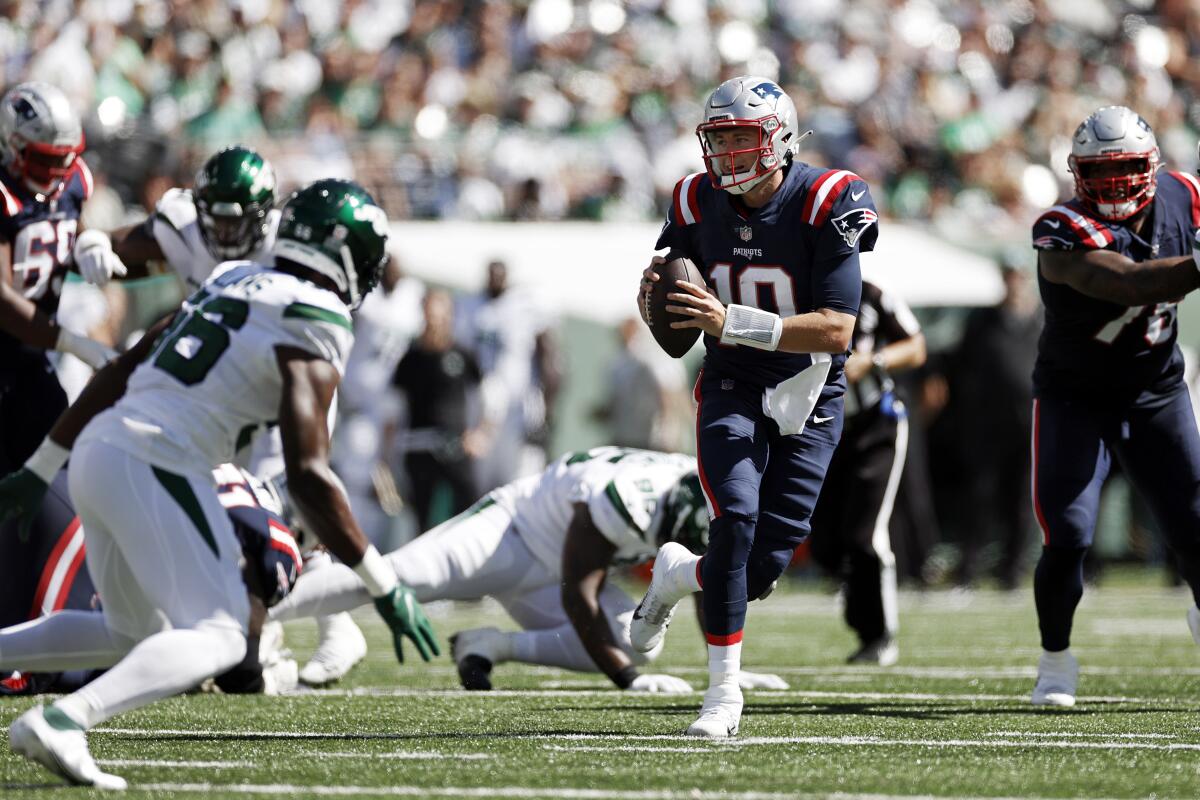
(542, 546)
(779, 241)
(256, 343)
(1112, 263)
(228, 215)
(43, 185)
(45, 573)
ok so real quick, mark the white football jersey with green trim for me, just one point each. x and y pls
(212, 379)
(176, 228)
(623, 489)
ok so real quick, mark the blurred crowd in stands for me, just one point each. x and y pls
(550, 109)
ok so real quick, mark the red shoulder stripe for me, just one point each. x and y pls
(85, 176)
(12, 204)
(684, 202)
(1193, 187)
(823, 193)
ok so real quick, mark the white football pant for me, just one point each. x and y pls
(476, 554)
(164, 558)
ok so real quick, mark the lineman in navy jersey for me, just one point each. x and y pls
(1112, 263)
(779, 241)
(43, 185)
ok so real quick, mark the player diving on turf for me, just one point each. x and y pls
(543, 546)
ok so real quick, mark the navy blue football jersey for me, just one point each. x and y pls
(796, 254)
(1106, 351)
(41, 234)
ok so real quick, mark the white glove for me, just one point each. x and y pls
(89, 351)
(760, 680)
(660, 684)
(95, 259)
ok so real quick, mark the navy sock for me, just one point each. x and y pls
(1057, 588)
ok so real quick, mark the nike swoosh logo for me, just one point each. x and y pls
(819, 420)
(855, 195)
(1053, 223)
(637, 612)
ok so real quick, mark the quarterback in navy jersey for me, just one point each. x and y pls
(1108, 381)
(778, 241)
(43, 185)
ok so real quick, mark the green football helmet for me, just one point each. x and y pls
(233, 192)
(685, 517)
(335, 228)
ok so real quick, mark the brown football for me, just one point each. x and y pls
(675, 341)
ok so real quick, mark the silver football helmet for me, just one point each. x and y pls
(40, 135)
(1115, 161)
(761, 106)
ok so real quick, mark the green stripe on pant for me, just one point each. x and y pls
(181, 491)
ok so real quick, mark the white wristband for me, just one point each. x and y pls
(47, 460)
(752, 327)
(376, 573)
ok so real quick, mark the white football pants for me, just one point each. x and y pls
(478, 553)
(164, 558)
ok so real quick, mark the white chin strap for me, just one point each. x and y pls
(742, 188)
(1116, 210)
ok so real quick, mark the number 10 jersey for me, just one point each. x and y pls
(212, 378)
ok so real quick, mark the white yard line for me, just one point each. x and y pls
(750, 741)
(407, 755)
(1020, 697)
(520, 792)
(1063, 735)
(623, 748)
(139, 762)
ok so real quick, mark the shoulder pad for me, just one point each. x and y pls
(176, 208)
(823, 193)
(10, 201)
(1192, 185)
(685, 207)
(1065, 228)
(81, 172)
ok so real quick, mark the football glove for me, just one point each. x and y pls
(404, 615)
(21, 495)
(95, 259)
(659, 684)
(760, 680)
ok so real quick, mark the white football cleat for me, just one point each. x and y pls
(341, 647)
(721, 713)
(59, 746)
(1058, 675)
(667, 588)
(883, 652)
(475, 652)
(1194, 623)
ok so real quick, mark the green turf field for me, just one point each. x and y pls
(951, 720)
